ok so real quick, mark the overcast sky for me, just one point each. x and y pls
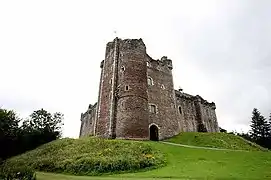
(50, 52)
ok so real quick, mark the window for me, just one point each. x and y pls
(126, 88)
(152, 108)
(180, 110)
(150, 81)
(122, 68)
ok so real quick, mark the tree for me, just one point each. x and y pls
(9, 127)
(260, 129)
(43, 121)
(40, 128)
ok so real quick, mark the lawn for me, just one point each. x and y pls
(187, 163)
(215, 140)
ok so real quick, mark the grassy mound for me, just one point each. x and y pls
(215, 140)
(89, 156)
(196, 164)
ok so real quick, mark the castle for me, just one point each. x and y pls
(137, 99)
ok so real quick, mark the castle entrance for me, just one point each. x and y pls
(154, 133)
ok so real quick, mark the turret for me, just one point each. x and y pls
(132, 98)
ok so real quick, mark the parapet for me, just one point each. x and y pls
(89, 110)
(126, 44)
(163, 64)
(180, 94)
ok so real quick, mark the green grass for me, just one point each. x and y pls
(215, 140)
(188, 163)
(89, 156)
(181, 162)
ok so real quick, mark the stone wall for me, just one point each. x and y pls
(132, 100)
(88, 120)
(161, 95)
(194, 111)
(103, 126)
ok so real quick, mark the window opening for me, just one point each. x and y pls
(150, 81)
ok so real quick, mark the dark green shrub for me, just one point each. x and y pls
(17, 173)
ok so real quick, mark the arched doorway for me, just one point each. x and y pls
(154, 133)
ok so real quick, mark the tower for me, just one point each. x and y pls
(123, 100)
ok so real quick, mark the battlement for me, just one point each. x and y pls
(180, 94)
(89, 110)
(164, 64)
(126, 44)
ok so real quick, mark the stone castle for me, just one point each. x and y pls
(137, 99)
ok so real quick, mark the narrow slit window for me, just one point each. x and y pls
(126, 88)
(180, 110)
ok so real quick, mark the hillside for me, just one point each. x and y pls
(215, 140)
(191, 164)
(89, 156)
(93, 156)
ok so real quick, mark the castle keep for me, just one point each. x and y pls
(137, 99)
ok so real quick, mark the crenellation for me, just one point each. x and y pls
(137, 99)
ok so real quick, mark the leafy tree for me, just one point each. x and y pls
(41, 127)
(8, 123)
(43, 121)
(9, 127)
(260, 129)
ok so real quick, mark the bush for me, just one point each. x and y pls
(90, 156)
(17, 173)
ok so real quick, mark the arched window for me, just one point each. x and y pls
(150, 81)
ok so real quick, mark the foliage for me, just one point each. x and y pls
(9, 128)
(41, 127)
(215, 140)
(260, 129)
(18, 173)
(89, 156)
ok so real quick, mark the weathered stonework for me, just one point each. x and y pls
(137, 99)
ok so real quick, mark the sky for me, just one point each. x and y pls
(50, 52)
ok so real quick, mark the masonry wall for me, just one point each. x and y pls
(186, 112)
(209, 117)
(87, 121)
(132, 100)
(161, 94)
(195, 111)
(103, 124)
